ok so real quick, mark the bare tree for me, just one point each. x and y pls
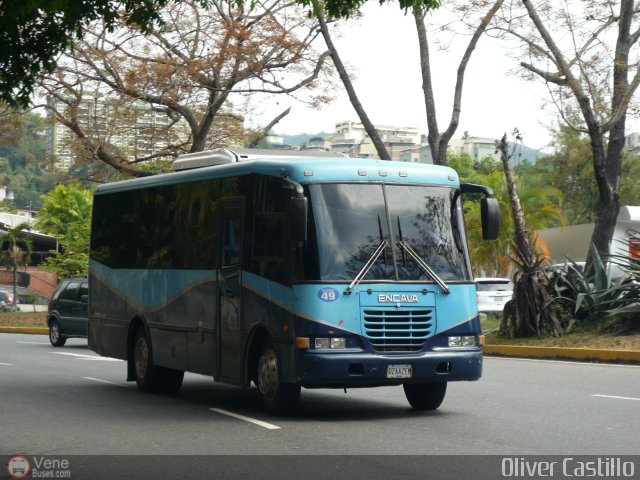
(351, 91)
(179, 83)
(586, 53)
(439, 141)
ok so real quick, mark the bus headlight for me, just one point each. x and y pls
(463, 341)
(330, 343)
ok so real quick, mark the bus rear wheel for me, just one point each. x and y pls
(149, 377)
(277, 397)
(425, 396)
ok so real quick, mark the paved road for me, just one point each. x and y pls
(64, 401)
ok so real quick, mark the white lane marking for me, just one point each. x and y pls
(32, 343)
(99, 380)
(266, 425)
(80, 356)
(7, 364)
(616, 398)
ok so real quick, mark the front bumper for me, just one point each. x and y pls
(343, 369)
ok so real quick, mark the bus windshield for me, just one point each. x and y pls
(352, 221)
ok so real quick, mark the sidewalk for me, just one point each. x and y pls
(564, 353)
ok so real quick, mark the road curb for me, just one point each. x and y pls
(562, 353)
(27, 330)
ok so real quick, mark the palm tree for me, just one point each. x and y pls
(14, 255)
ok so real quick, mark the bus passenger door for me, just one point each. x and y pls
(229, 291)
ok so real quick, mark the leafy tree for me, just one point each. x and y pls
(22, 155)
(570, 169)
(66, 214)
(18, 250)
(540, 204)
(177, 82)
(34, 32)
(584, 53)
(630, 181)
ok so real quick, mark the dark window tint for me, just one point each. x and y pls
(268, 253)
(172, 226)
(70, 292)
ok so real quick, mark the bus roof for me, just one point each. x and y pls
(303, 169)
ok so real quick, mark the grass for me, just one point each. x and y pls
(580, 338)
(23, 319)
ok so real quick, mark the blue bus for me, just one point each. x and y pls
(288, 271)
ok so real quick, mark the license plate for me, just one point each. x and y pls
(399, 371)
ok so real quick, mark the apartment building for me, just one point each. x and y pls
(139, 132)
(351, 138)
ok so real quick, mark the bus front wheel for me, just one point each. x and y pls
(278, 397)
(149, 377)
(425, 396)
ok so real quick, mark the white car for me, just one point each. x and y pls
(492, 294)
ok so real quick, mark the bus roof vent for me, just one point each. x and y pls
(224, 156)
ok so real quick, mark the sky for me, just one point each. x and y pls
(381, 49)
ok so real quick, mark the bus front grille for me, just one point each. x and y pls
(398, 330)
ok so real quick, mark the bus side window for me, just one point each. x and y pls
(231, 244)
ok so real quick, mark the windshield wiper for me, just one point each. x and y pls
(423, 265)
(367, 266)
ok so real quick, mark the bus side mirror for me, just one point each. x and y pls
(298, 208)
(490, 215)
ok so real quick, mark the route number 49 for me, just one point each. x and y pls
(328, 294)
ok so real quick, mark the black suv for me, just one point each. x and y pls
(67, 316)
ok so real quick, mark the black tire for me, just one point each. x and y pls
(149, 377)
(425, 396)
(277, 397)
(55, 334)
(171, 380)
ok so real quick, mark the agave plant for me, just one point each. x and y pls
(530, 311)
(614, 302)
(624, 313)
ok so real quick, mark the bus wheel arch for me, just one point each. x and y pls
(136, 324)
(149, 377)
(257, 339)
(278, 397)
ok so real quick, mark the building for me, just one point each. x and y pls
(418, 154)
(479, 148)
(317, 144)
(351, 138)
(140, 131)
(6, 194)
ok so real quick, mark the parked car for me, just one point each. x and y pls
(493, 294)
(67, 315)
(6, 301)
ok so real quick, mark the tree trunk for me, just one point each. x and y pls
(439, 142)
(520, 227)
(353, 97)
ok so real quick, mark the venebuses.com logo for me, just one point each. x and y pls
(18, 467)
